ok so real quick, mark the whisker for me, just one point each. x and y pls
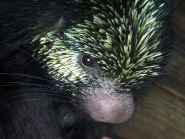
(16, 48)
(22, 83)
(36, 99)
(19, 83)
(52, 93)
(24, 75)
(39, 97)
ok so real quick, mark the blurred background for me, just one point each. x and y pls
(160, 112)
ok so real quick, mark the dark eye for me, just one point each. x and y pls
(87, 61)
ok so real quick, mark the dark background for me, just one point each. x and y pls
(160, 111)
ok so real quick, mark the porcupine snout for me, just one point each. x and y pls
(104, 104)
(122, 40)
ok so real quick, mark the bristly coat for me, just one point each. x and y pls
(126, 38)
(88, 55)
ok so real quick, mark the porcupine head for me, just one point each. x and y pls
(100, 59)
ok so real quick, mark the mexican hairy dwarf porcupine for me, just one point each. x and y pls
(67, 61)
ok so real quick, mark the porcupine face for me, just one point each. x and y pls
(102, 58)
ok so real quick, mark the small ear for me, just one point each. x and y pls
(60, 24)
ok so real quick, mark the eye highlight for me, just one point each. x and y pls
(87, 61)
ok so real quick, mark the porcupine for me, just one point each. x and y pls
(78, 60)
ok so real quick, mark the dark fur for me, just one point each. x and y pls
(27, 110)
(31, 107)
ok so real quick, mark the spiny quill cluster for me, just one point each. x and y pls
(123, 36)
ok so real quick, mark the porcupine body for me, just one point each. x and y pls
(63, 62)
